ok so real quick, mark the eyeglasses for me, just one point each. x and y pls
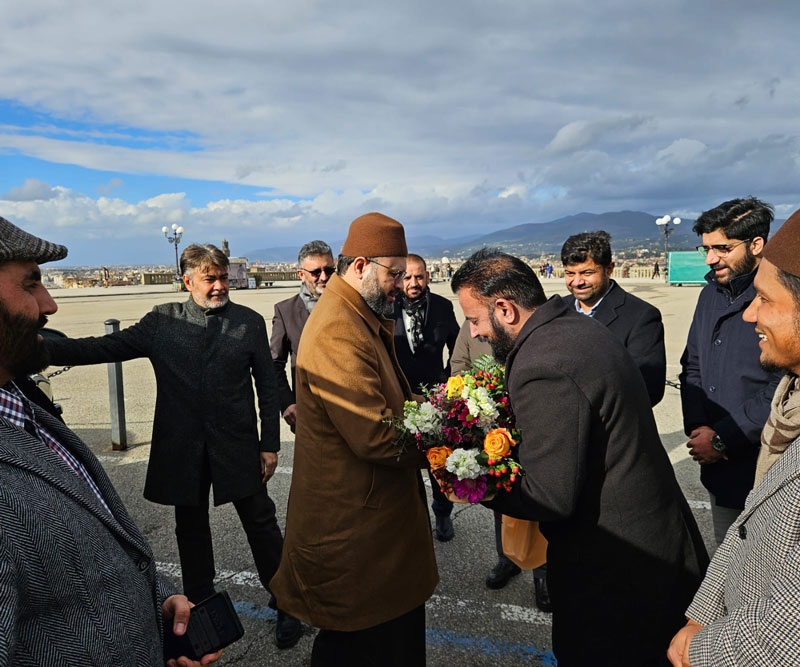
(329, 271)
(396, 274)
(720, 249)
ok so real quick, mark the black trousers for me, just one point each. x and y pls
(192, 529)
(396, 643)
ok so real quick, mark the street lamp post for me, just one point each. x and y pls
(174, 239)
(663, 222)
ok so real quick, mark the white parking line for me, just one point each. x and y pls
(437, 604)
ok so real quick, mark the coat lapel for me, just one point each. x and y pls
(37, 458)
(300, 311)
(786, 469)
(606, 312)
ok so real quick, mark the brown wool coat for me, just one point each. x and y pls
(358, 549)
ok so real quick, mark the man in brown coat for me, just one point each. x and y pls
(358, 557)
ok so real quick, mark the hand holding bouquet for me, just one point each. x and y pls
(466, 430)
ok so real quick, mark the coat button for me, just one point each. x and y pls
(144, 564)
(718, 342)
(743, 532)
(712, 388)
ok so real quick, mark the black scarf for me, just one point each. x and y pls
(416, 312)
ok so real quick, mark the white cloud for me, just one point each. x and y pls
(33, 189)
(478, 116)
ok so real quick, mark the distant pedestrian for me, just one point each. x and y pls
(549, 270)
(656, 271)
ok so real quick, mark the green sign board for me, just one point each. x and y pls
(687, 268)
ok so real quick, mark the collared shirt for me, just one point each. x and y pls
(591, 312)
(16, 408)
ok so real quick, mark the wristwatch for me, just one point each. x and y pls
(716, 443)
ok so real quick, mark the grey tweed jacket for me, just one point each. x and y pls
(78, 586)
(749, 601)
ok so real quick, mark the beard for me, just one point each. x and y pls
(375, 297)
(741, 268)
(21, 351)
(501, 341)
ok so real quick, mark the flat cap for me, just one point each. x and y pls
(375, 235)
(16, 244)
(783, 249)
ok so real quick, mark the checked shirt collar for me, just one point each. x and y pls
(17, 409)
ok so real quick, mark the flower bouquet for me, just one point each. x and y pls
(466, 430)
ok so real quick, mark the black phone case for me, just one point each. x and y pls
(213, 624)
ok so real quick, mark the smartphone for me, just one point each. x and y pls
(213, 624)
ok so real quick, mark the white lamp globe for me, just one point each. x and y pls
(165, 229)
(179, 230)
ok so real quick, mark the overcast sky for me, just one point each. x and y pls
(272, 123)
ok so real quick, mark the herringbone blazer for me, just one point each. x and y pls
(749, 601)
(78, 586)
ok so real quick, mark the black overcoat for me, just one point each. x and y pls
(625, 555)
(637, 325)
(426, 366)
(205, 362)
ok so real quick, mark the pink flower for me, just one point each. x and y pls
(472, 490)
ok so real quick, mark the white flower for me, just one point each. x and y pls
(463, 464)
(481, 406)
(422, 418)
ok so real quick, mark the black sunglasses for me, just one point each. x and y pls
(329, 271)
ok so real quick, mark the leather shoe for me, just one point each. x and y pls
(287, 630)
(444, 529)
(501, 573)
(542, 594)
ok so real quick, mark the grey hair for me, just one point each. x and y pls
(313, 248)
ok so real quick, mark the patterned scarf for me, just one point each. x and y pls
(416, 313)
(782, 427)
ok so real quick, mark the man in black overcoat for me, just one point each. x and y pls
(625, 555)
(206, 353)
(635, 323)
(315, 267)
(424, 324)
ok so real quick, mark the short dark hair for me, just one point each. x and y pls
(792, 283)
(197, 256)
(587, 245)
(493, 274)
(417, 258)
(313, 248)
(739, 219)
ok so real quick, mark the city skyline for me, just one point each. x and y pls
(273, 124)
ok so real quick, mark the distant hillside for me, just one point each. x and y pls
(627, 228)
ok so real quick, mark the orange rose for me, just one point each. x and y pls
(437, 456)
(497, 443)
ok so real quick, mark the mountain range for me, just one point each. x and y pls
(627, 228)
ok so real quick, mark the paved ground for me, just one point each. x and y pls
(467, 623)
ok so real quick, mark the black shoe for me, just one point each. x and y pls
(444, 529)
(542, 594)
(287, 630)
(501, 573)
